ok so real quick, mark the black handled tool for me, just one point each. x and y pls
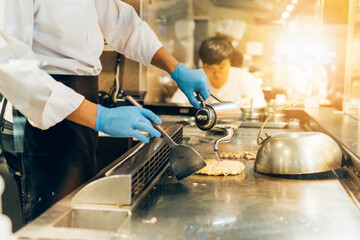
(184, 160)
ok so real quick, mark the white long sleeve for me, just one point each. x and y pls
(67, 36)
(31, 90)
(38, 96)
(125, 32)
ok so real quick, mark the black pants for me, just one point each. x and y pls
(58, 160)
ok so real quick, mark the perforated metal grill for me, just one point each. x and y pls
(152, 167)
(131, 176)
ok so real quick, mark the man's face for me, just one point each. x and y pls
(217, 73)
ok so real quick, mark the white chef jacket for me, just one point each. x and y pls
(63, 37)
(240, 87)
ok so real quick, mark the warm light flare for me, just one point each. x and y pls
(302, 57)
(285, 15)
(290, 8)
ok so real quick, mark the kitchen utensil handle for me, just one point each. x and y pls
(215, 97)
(166, 136)
(267, 119)
(200, 99)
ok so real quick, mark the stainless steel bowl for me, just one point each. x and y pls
(253, 114)
(279, 117)
(298, 153)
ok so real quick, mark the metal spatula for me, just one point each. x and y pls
(184, 160)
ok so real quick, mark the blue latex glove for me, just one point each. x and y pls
(190, 81)
(125, 121)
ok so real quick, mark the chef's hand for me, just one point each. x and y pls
(190, 81)
(125, 121)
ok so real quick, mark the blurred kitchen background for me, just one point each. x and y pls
(302, 51)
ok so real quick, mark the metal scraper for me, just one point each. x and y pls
(184, 160)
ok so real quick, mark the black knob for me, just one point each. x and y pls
(205, 118)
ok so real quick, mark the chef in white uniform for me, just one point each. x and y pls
(227, 83)
(49, 62)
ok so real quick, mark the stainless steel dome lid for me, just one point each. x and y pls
(298, 153)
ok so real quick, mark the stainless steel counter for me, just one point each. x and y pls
(342, 127)
(254, 207)
(248, 206)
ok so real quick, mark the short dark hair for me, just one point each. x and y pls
(214, 50)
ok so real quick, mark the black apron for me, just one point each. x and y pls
(56, 161)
